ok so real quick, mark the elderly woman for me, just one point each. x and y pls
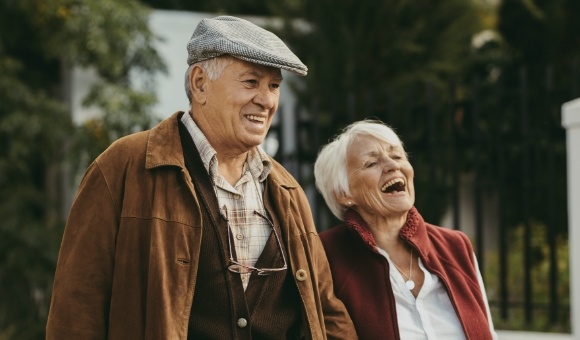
(399, 276)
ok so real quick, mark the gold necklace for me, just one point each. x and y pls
(409, 283)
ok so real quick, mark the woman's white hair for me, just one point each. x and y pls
(213, 67)
(330, 168)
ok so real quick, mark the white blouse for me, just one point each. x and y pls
(431, 315)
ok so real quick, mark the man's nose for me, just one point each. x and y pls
(266, 98)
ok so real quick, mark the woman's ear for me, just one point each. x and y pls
(344, 200)
(198, 83)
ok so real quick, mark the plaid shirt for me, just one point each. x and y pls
(250, 232)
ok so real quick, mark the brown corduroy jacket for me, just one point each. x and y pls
(128, 260)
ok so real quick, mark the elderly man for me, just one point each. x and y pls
(189, 230)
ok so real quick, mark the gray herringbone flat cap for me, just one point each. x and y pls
(243, 40)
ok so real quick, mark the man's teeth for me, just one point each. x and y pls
(257, 118)
(391, 183)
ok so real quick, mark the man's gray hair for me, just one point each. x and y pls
(212, 67)
(330, 168)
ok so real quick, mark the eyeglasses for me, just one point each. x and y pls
(236, 267)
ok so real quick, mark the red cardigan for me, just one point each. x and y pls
(362, 281)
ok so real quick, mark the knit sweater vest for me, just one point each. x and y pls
(270, 305)
(362, 280)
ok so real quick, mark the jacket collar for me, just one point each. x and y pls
(164, 144)
(280, 177)
(414, 231)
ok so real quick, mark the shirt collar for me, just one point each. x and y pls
(258, 162)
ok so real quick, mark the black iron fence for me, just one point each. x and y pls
(490, 159)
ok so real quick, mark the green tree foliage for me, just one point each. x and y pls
(33, 128)
(536, 65)
(229, 7)
(369, 57)
(541, 31)
(355, 47)
(40, 41)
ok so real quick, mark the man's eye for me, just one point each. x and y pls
(371, 164)
(252, 82)
(276, 86)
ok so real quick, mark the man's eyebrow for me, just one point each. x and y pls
(258, 73)
(252, 73)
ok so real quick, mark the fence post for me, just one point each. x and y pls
(571, 122)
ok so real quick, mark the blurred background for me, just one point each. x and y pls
(474, 88)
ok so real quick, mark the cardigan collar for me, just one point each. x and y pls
(414, 231)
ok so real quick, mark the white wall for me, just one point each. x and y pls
(571, 121)
(174, 28)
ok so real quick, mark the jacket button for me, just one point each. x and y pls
(301, 275)
(242, 322)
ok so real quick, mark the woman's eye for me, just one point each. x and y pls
(371, 164)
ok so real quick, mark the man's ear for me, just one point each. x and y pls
(198, 83)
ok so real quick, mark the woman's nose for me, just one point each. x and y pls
(390, 165)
